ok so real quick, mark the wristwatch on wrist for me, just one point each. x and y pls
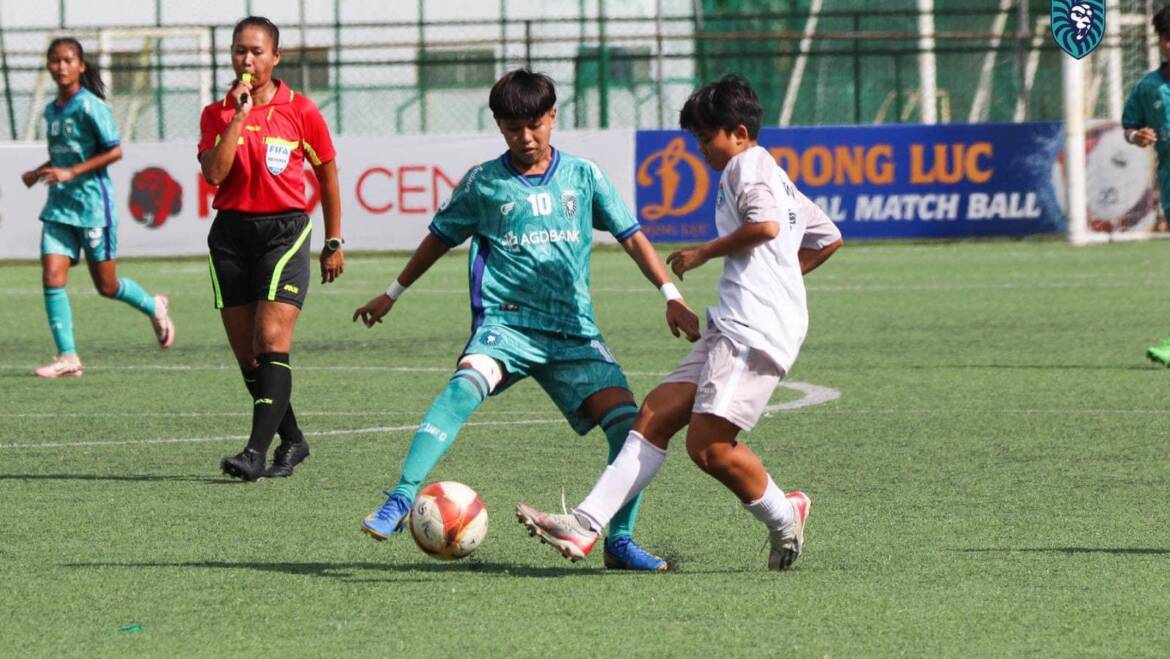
(334, 244)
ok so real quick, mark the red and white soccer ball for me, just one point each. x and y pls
(448, 520)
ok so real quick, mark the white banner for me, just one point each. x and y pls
(390, 189)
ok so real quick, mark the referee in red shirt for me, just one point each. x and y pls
(253, 145)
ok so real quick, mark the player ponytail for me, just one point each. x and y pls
(91, 78)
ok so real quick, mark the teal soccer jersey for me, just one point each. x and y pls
(530, 241)
(1148, 106)
(77, 131)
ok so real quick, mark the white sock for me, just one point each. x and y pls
(630, 472)
(772, 509)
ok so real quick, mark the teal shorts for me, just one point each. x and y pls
(568, 368)
(98, 243)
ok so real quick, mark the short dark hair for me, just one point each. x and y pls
(1161, 20)
(262, 23)
(726, 103)
(522, 94)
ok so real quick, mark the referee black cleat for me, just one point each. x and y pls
(287, 456)
(247, 465)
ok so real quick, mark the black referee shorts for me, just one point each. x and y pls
(259, 257)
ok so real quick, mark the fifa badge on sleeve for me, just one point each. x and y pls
(1078, 25)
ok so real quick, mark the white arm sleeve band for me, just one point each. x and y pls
(395, 290)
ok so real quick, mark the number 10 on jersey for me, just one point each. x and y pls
(541, 203)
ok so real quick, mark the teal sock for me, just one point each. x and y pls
(134, 295)
(60, 319)
(439, 427)
(616, 424)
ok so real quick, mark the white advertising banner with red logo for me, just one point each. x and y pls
(390, 189)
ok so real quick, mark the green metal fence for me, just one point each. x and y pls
(842, 65)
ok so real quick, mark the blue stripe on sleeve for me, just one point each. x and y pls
(621, 237)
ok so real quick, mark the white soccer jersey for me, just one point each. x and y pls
(761, 291)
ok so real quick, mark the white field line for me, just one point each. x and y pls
(813, 395)
(224, 438)
(1088, 284)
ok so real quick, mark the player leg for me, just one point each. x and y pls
(476, 377)
(665, 411)
(732, 395)
(59, 249)
(54, 276)
(101, 257)
(614, 410)
(1160, 353)
(261, 332)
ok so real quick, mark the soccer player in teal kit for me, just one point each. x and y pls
(530, 215)
(79, 215)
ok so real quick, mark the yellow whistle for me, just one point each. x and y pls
(246, 77)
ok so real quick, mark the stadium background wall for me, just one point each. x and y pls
(907, 181)
(423, 67)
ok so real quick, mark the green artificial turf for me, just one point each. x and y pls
(992, 480)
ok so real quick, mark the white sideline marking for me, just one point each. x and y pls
(813, 395)
(223, 438)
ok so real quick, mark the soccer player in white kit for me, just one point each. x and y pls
(770, 235)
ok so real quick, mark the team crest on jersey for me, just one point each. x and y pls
(507, 208)
(276, 158)
(1078, 25)
(68, 125)
(569, 203)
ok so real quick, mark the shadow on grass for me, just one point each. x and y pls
(1116, 551)
(343, 571)
(126, 478)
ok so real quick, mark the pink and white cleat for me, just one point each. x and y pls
(164, 327)
(64, 366)
(563, 531)
(788, 541)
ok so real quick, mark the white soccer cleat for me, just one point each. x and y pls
(64, 366)
(787, 542)
(164, 327)
(563, 531)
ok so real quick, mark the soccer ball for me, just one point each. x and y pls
(448, 520)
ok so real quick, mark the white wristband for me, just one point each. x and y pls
(670, 292)
(395, 290)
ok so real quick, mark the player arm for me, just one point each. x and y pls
(33, 175)
(50, 174)
(812, 257)
(332, 260)
(430, 250)
(679, 317)
(742, 239)
(217, 161)
(1142, 137)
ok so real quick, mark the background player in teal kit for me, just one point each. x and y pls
(79, 215)
(1146, 120)
(530, 215)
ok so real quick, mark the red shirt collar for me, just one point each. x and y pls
(284, 94)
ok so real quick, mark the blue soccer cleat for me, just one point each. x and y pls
(388, 519)
(622, 553)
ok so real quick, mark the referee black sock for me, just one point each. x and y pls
(269, 404)
(288, 430)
